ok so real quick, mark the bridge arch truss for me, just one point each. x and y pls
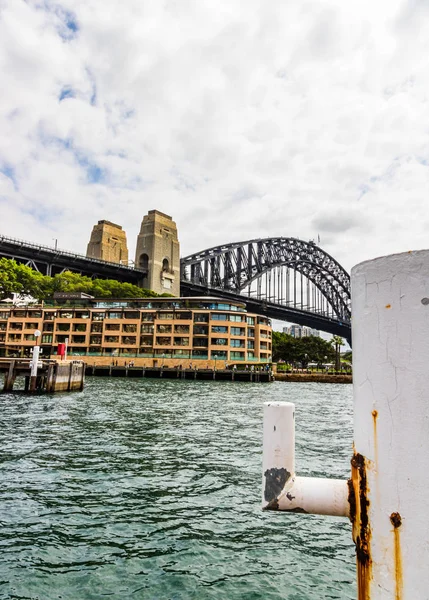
(286, 272)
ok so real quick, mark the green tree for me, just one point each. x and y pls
(337, 342)
(303, 350)
(18, 278)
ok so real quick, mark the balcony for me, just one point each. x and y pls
(163, 341)
(181, 329)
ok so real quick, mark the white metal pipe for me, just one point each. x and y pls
(278, 462)
(390, 306)
(282, 490)
(316, 495)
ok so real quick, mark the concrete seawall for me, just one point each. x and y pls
(314, 377)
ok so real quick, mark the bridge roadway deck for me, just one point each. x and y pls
(50, 261)
(274, 311)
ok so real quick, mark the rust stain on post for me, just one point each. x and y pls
(359, 503)
(374, 425)
(396, 520)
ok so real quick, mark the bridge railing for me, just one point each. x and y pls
(75, 255)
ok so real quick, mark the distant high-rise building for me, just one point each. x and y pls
(300, 331)
(108, 242)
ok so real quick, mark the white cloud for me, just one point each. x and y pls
(241, 120)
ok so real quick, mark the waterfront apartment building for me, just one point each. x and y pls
(154, 329)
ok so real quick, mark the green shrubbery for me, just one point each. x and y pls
(20, 279)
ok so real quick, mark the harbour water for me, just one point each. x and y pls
(151, 489)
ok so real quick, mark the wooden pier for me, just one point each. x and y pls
(52, 375)
(175, 373)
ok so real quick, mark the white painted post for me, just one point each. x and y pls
(34, 362)
(386, 497)
(390, 307)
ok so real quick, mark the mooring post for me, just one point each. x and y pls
(390, 306)
(386, 497)
(9, 378)
(34, 363)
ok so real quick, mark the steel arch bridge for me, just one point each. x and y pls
(283, 278)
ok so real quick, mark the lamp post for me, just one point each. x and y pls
(56, 243)
(215, 359)
(34, 362)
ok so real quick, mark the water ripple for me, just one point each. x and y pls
(151, 489)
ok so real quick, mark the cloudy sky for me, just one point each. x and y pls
(240, 118)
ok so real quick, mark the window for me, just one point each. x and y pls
(144, 262)
(165, 264)
(112, 326)
(237, 318)
(95, 340)
(131, 314)
(96, 327)
(98, 316)
(219, 341)
(237, 330)
(148, 317)
(163, 328)
(79, 326)
(147, 329)
(201, 318)
(78, 339)
(201, 330)
(250, 320)
(163, 341)
(181, 341)
(236, 355)
(237, 343)
(129, 328)
(65, 314)
(251, 344)
(250, 332)
(218, 354)
(49, 316)
(166, 316)
(63, 326)
(4, 315)
(129, 339)
(181, 329)
(15, 326)
(184, 316)
(114, 315)
(220, 317)
(200, 342)
(46, 339)
(14, 337)
(111, 339)
(146, 340)
(48, 327)
(219, 329)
